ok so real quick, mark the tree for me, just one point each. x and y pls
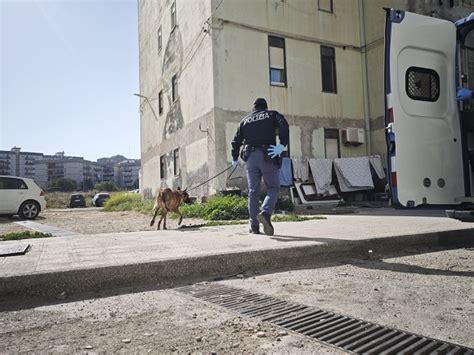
(106, 186)
(64, 184)
(87, 184)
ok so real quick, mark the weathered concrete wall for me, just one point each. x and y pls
(187, 53)
(241, 70)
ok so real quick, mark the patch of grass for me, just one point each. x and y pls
(225, 223)
(128, 202)
(218, 211)
(294, 218)
(218, 208)
(24, 235)
(275, 218)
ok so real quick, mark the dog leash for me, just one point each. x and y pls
(222, 172)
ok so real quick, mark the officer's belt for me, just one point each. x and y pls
(253, 147)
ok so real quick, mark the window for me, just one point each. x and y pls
(331, 143)
(163, 167)
(12, 184)
(422, 84)
(276, 50)
(173, 15)
(177, 164)
(325, 5)
(328, 69)
(160, 102)
(174, 88)
(160, 39)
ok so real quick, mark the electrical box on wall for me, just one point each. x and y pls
(353, 136)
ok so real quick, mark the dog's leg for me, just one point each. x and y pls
(154, 216)
(159, 223)
(180, 217)
(164, 221)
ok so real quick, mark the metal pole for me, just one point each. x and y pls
(149, 103)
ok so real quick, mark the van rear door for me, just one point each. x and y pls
(421, 114)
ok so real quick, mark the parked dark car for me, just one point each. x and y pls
(100, 198)
(77, 200)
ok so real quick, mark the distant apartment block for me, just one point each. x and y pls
(108, 165)
(59, 166)
(45, 169)
(17, 163)
(126, 173)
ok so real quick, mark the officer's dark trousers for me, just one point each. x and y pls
(258, 167)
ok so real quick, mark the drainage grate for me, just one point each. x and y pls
(347, 333)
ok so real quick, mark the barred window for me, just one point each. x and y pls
(276, 50)
(177, 162)
(422, 84)
(163, 174)
(328, 69)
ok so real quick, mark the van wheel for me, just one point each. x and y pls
(29, 210)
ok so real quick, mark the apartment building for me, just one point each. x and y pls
(108, 165)
(18, 163)
(318, 62)
(45, 169)
(126, 173)
(59, 166)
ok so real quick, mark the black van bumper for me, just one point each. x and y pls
(463, 216)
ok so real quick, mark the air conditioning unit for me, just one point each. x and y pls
(353, 136)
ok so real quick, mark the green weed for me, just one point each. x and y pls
(24, 235)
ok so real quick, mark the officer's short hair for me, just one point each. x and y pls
(260, 103)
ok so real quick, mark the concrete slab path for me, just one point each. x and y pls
(77, 262)
(43, 228)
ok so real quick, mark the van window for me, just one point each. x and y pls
(422, 84)
(12, 184)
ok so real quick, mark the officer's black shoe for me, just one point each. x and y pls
(265, 219)
(254, 230)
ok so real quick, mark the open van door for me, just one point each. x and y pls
(425, 161)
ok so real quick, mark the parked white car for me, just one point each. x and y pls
(20, 196)
(100, 198)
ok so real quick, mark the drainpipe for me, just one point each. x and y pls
(365, 79)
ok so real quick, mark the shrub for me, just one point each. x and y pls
(24, 235)
(284, 204)
(64, 184)
(106, 186)
(218, 208)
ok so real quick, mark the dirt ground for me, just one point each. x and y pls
(93, 221)
(429, 294)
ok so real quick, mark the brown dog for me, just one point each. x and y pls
(169, 201)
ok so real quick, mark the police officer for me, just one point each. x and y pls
(257, 132)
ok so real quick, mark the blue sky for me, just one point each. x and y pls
(69, 69)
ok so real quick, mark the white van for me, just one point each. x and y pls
(430, 136)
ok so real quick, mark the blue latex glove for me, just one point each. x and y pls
(235, 164)
(275, 150)
(463, 94)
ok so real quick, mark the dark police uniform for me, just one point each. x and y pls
(256, 132)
